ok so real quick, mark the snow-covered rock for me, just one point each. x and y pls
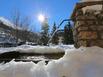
(82, 62)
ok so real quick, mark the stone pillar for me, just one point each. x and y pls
(88, 28)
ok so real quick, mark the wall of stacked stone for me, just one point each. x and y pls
(88, 29)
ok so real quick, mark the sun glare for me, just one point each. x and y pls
(41, 17)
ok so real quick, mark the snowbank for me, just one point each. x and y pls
(82, 62)
(37, 49)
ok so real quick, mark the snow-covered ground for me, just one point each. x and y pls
(82, 62)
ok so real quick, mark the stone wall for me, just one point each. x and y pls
(88, 29)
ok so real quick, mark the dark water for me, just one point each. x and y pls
(27, 57)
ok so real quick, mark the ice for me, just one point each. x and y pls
(82, 62)
(3, 50)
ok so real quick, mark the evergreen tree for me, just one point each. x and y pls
(68, 34)
(55, 37)
(44, 33)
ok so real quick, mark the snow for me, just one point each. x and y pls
(37, 49)
(92, 7)
(6, 22)
(5, 38)
(89, 0)
(82, 62)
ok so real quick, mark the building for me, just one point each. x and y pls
(6, 37)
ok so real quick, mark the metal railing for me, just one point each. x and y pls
(58, 29)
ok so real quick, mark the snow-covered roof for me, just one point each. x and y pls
(92, 7)
(8, 23)
(89, 0)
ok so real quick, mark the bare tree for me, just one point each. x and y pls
(16, 21)
(25, 24)
(21, 26)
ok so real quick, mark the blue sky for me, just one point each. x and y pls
(55, 10)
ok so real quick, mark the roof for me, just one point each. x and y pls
(84, 4)
(8, 23)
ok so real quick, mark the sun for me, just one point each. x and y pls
(41, 17)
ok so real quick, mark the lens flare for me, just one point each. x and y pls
(41, 17)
